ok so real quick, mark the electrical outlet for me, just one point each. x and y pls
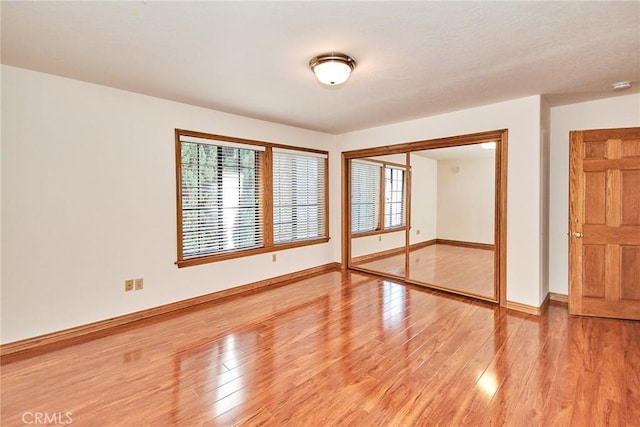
(274, 258)
(139, 284)
(418, 231)
(128, 285)
(379, 238)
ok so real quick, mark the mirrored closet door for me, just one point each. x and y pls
(431, 213)
(452, 228)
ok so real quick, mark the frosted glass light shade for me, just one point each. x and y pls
(332, 69)
(332, 72)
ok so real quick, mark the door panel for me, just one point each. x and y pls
(631, 197)
(594, 257)
(629, 289)
(631, 148)
(604, 223)
(595, 186)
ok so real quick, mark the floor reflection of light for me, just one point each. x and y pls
(223, 405)
(229, 393)
(488, 383)
(393, 301)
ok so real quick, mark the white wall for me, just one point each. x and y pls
(88, 195)
(424, 198)
(545, 125)
(88, 200)
(377, 243)
(466, 200)
(522, 118)
(620, 111)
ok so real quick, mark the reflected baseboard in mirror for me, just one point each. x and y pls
(391, 262)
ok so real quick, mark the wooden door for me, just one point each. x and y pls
(604, 223)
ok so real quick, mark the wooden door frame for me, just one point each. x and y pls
(576, 208)
(500, 212)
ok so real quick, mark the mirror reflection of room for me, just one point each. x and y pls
(450, 213)
(452, 219)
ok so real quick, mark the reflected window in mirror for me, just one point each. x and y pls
(378, 199)
(394, 197)
(365, 190)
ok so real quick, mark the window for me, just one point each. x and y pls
(365, 196)
(298, 196)
(229, 190)
(377, 196)
(220, 198)
(393, 197)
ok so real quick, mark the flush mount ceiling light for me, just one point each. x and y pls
(332, 69)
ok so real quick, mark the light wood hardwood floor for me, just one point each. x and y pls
(340, 349)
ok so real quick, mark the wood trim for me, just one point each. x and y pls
(326, 198)
(604, 134)
(452, 141)
(407, 214)
(346, 212)
(416, 246)
(529, 309)
(377, 232)
(559, 297)
(500, 240)
(450, 291)
(545, 303)
(384, 163)
(266, 196)
(392, 252)
(178, 151)
(523, 308)
(381, 198)
(247, 141)
(239, 254)
(576, 216)
(463, 244)
(377, 255)
(420, 245)
(41, 344)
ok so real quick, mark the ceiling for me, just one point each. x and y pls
(415, 59)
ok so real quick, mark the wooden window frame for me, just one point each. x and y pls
(266, 182)
(402, 226)
(380, 228)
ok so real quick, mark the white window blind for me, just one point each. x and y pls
(394, 197)
(365, 196)
(298, 196)
(221, 193)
